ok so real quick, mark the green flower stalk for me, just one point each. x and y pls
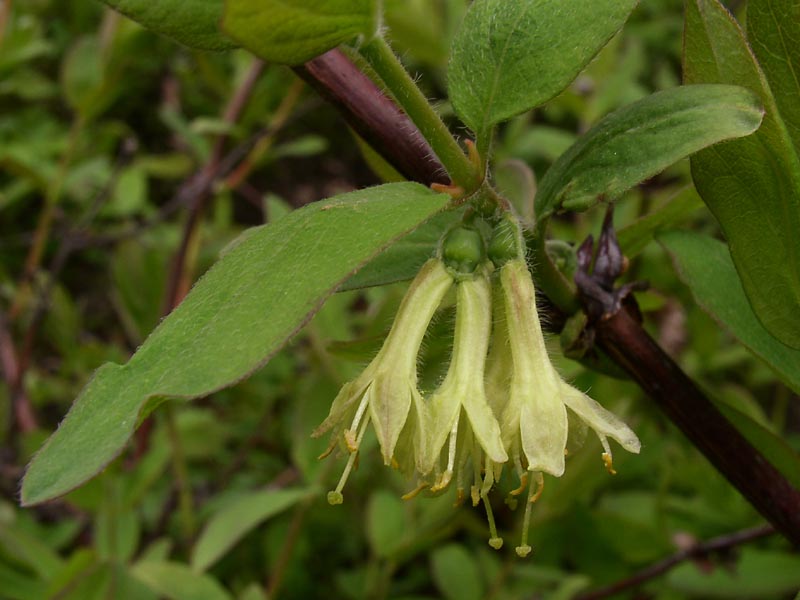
(387, 388)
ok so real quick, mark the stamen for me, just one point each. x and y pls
(350, 440)
(461, 495)
(608, 459)
(495, 541)
(475, 492)
(352, 445)
(524, 549)
(609, 463)
(539, 488)
(415, 492)
(444, 480)
(523, 484)
(477, 480)
(336, 497)
(327, 452)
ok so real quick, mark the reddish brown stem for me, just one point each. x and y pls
(717, 544)
(24, 416)
(201, 187)
(630, 346)
(374, 116)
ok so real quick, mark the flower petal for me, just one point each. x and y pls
(598, 418)
(543, 428)
(344, 405)
(535, 384)
(442, 409)
(389, 402)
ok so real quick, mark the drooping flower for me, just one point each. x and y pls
(458, 412)
(384, 393)
(534, 418)
(502, 400)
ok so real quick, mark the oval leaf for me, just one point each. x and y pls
(403, 259)
(176, 581)
(194, 23)
(773, 29)
(704, 264)
(293, 31)
(236, 519)
(237, 316)
(456, 573)
(509, 57)
(641, 140)
(752, 185)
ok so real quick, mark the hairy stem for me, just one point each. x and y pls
(398, 81)
(374, 116)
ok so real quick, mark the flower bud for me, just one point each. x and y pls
(507, 242)
(463, 250)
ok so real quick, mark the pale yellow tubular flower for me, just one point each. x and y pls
(463, 386)
(385, 390)
(535, 407)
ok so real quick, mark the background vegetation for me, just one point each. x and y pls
(110, 136)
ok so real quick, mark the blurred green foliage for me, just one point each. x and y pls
(101, 123)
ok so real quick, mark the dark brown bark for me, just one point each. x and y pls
(631, 347)
(374, 116)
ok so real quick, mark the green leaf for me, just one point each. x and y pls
(751, 185)
(29, 550)
(82, 75)
(509, 57)
(387, 523)
(634, 237)
(294, 31)
(456, 574)
(194, 23)
(236, 519)
(773, 29)
(257, 296)
(177, 581)
(516, 181)
(403, 259)
(774, 449)
(705, 265)
(642, 139)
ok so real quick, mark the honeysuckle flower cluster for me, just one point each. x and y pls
(501, 403)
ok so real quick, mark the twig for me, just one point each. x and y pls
(24, 416)
(68, 246)
(176, 284)
(632, 348)
(623, 338)
(45, 221)
(699, 550)
(374, 116)
(5, 14)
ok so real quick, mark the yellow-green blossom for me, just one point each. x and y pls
(461, 400)
(387, 388)
(533, 416)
